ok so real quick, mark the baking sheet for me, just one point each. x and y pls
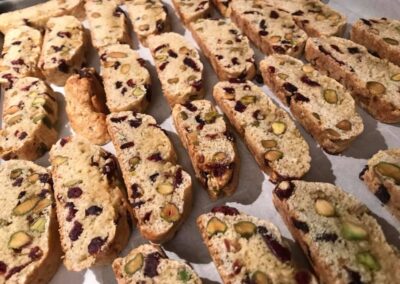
(253, 195)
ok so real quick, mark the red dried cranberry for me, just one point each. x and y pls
(226, 210)
(18, 182)
(151, 263)
(229, 90)
(18, 61)
(23, 135)
(76, 231)
(190, 62)
(18, 42)
(218, 170)
(235, 61)
(302, 277)
(290, 87)
(198, 85)
(116, 65)
(240, 107)
(219, 57)
(298, 13)
(155, 157)
(35, 253)
(237, 267)
(327, 237)
(263, 24)
(135, 122)
(63, 66)
(278, 49)
(74, 192)
(153, 177)
(127, 145)
(95, 245)
(64, 34)
(163, 65)
(119, 119)
(64, 141)
(382, 194)
(43, 193)
(190, 106)
(147, 216)
(306, 80)
(281, 252)
(16, 269)
(274, 14)
(130, 83)
(302, 226)
(354, 276)
(118, 84)
(300, 98)
(71, 211)
(172, 53)
(135, 191)
(178, 179)
(3, 267)
(21, 194)
(93, 210)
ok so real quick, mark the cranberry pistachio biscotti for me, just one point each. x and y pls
(191, 10)
(342, 240)
(159, 191)
(95, 220)
(29, 241)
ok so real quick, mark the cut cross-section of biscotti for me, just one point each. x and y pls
(319, 103)
(227, 49)
(63, 49)
(148, 17)
(210, 145)
(191, 10)
(94, 218)
(149, 264)
(373, 82)
(29, 115)
(178, 66)
(126, 80)
(343, 241)
(223, 6)
(268, 131)
(30, 244)
(382, 176)
(159, 191)
(246, 249)
(270, 29)
(86, 107)
(380, 36)
(108, 23)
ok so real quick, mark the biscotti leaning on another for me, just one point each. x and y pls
(268, 131)
(126, 80)
(149, 264)
(382, 176)
(342, 240)
(246, 249)
(191, 10)
(322, 105)
(86, 107)
(30, 244)
(223, 6)
(159, 191)
(30, 113)
(210, 146)
(379, 36)
(227, 49)
(95, 220)
(374, 83)
(178, 66)
(270, 29)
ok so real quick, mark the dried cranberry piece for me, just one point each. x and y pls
(257, 115)
(151, 263)
(235, 61)
(290, 87)
(18, 61)
(178, 179)
(302, 277)
(35, 253)
(119, 119)
(306, 80)
(74, 192)
(76, 231)
(229, 90)
(240, 107)
(18, 42)
(327, 237)
(262, 24)
(3, 267)
(93, 210)
(354, 276)
(219, 57)
(335, 47)
(226, 210)
(198, 85)
(190, 106)
(274, 14)
(96, 244)
(21, 194)
(130, 83)
(127, 145)
(278, 49)
(218, 170)
(155, 157)
(116, 65)
(16, 269)
(302, 226)
(135, 122)
(190, 62)
(57, 49)
(237, 267)
(64, 141)
(63, 66)
(172, 53)
(64, 34)
(281, 252)
(43, 193)
(368, 23)
(300, 98)
(18, 182)
(135, 191)
(163, 65)
(382, 194)
(147, 216)
(153, 177)
(298, 13)
(118, 84)
(71, 211)
(353, 50)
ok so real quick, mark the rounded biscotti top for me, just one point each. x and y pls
(339, 231)
(385, 29)
(149, 264)
(386, 165)
(191, 10)
(25, 218)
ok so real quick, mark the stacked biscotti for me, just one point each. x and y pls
(210, 145)
(375, 89)
(191, 10)
(149, 264)
(268, 131)
(159, 191)
(29, 241)
(319, 103)
(246, 249)
(382, 176)
(342, 240)
(178, 66)
(29, 115)
(95, 220)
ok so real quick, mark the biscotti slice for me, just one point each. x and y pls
(159, 191)
(94, 217)
(86, 107)
(148, 263)
(373, 82)
(191, 10)
(29, 115)
(210, 145)
(227, 49)
(268, 131)
(382, 176)
(178, 66)
(246, 249)
(380, 36)
(319, 103)
(148, 17)
(126, 80)
(223, 6)
(29, 240)
(107, 21)
(343, 241)
(270, 29)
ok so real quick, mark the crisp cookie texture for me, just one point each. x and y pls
(29, 115)
(63, 49)
(86, 106)
(159, 191)
(149, 264)
(382, 176)
(268, 131)
(148, 17)
(319, 103)
(344, 243)
(191, 10)
(95, 220)
(178, 66)
(108, 24)
(29, 240)
(126, 80)
(375, 89)
(227, 49)
(223, 6)
(270, 29)
(246, 249)
(380, 36)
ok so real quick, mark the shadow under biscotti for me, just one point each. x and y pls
(175, 22)
(391, 233)
(208, 281)
(299, 258)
